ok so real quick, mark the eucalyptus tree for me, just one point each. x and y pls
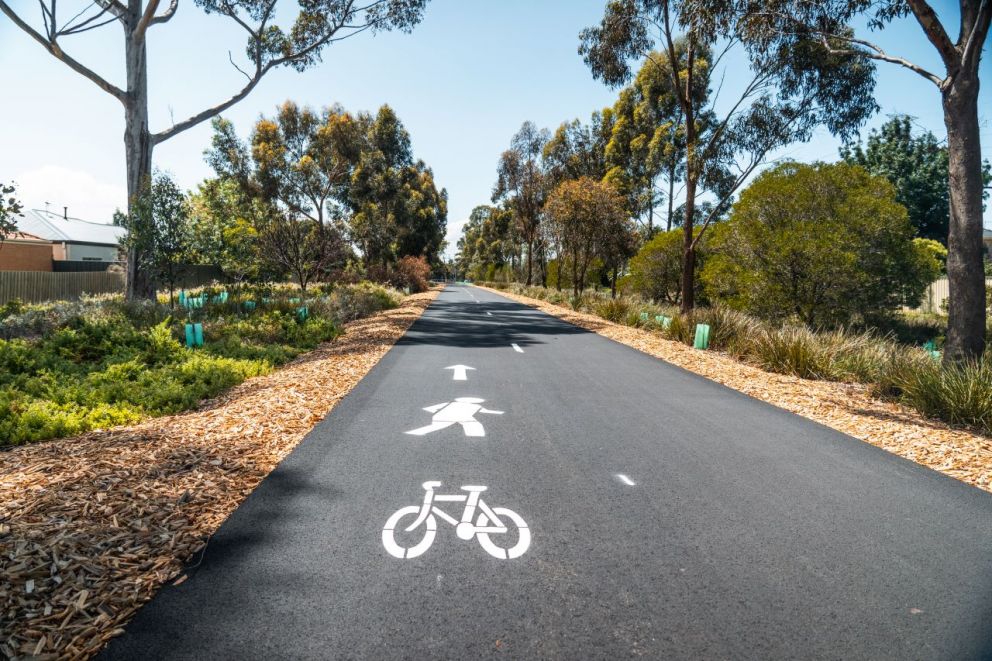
(794, 85)
(300, 159)
(828, 21)
(396, 208)
(488, 242)
(299, 46)
(522, 185)
(579, 150)
(648, 140)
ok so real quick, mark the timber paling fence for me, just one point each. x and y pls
(937, 293)
(40, 286)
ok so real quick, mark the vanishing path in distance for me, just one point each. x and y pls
(640, 510)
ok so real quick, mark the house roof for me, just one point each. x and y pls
(24, 237)
(53, 227)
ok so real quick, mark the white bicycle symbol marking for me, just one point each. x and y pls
(489, 522)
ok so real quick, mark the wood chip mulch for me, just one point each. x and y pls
(91, 526)
(848, 408)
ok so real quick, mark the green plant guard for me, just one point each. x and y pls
(702, 337)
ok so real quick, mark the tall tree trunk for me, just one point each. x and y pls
(965, 272)
(138, 152)
(688, 251)
(530, 261)
(671, 195)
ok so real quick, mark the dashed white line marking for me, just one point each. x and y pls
(626, 480)
(516, 348)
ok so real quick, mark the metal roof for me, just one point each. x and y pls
(54, 227)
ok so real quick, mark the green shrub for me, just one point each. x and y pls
(66, 368)
(960, 394)
(614, 309)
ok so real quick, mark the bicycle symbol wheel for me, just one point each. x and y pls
(389, 538)
(523, 534)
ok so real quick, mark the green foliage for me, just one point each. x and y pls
(225, 226)
(656, 269)
(959, 394)
(487, 244)
(10, 207)
(826, 244)
(614, 309)
(66, 368)
(158, 230)
(917, 167)
(583, 216)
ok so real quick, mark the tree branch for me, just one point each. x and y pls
(876, 53)
(976, 38)
(261, 69)
(114, 7)
(167, 16)
(138, 35)
(52, 47)
(935, 32)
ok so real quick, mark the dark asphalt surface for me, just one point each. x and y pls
(749, 533)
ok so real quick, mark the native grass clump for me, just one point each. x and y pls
(908, 372)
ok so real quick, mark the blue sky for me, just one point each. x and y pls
(462, 83)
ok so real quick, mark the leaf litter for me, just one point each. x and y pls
(92, 526)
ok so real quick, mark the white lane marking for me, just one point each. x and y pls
(517, 348)
(459, 372)
(489, 313)
(461, 411)
(626, 480)
(490, 521)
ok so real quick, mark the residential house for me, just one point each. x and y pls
(25, 252)
(74, 244)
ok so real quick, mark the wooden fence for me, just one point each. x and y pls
(937, 293)
(39, 286)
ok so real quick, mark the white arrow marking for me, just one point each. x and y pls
(459, 372)
(516, 348)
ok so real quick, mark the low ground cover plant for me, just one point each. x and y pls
(69, 367)
(891, 360)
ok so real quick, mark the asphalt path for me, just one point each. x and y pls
(667, 517)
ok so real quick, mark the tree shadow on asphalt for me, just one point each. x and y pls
(466, 325)
(287, 496)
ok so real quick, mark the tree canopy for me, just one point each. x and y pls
(823, 243)
(350, 174)
(917, 166)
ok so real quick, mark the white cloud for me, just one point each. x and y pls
(86, 196)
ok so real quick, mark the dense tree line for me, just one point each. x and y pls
(311, 194)
(680, 144)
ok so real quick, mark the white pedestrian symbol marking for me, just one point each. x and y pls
(460, 370)
(490, 521)
(461, 411)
